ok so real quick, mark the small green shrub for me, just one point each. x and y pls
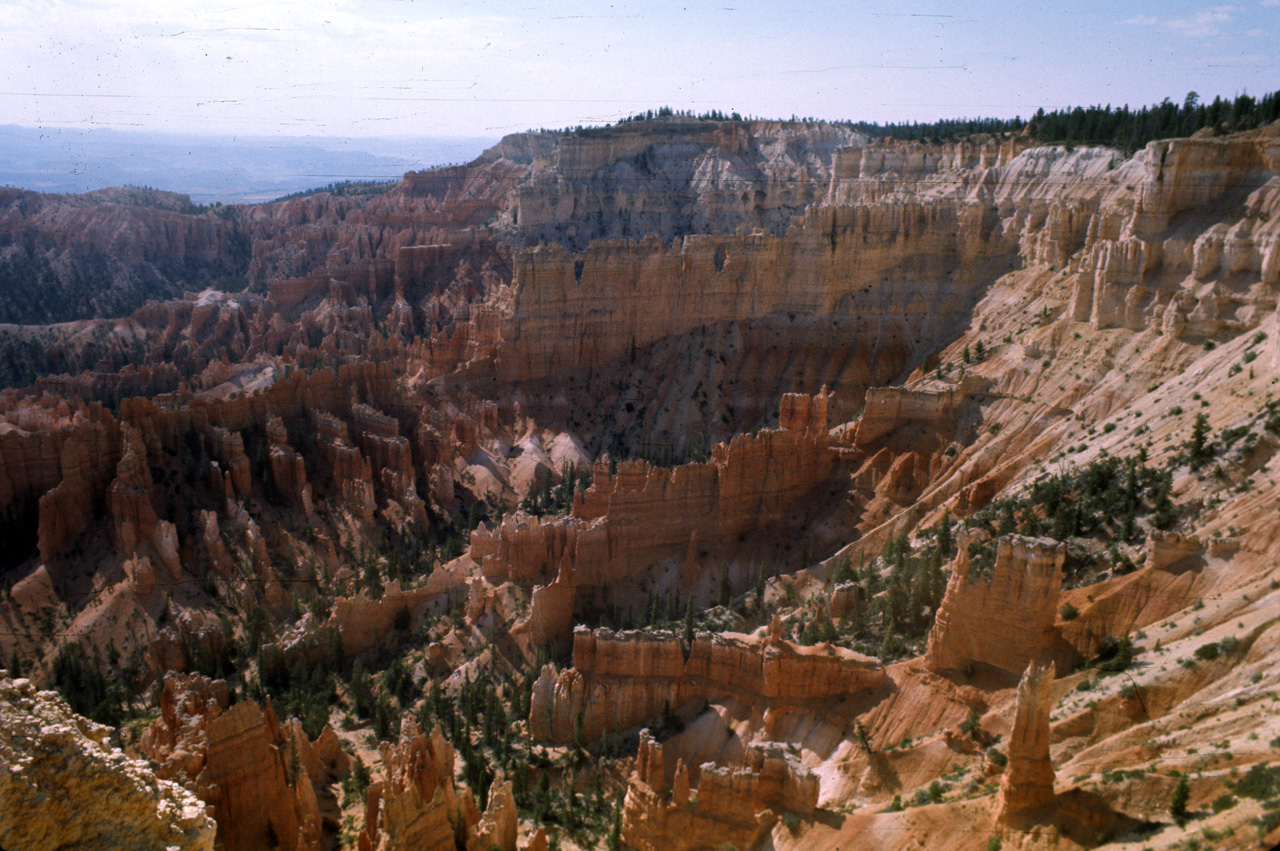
(1207, 652)
(1260, 782)
(1223, 802)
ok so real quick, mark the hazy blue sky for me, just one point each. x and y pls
(385, 67)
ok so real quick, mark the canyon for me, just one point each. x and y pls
(674, 484)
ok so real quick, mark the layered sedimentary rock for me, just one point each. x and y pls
(584, 310)
(417, 804)
(63, 787)
(1004, 619)
(288, 468)
(246, 779)
(352, 473)
(623, 679)
(389, 453)
(1028, 780)
(1135, 272)
(362, 622)
(65, 510)
(729, 805)
(1165, 549)
(695, 177)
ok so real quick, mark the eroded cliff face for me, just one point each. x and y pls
(687, 177)
(637, 515)
(64, 786)
(911, 272)
(1009, 336)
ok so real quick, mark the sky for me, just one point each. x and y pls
(421, 67)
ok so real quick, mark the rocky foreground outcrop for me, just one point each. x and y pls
(63, 786)
(265, 782)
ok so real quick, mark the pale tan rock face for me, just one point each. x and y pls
(498, 825)
(1028, 780)
(1165, 549)
(1005, 619)
(63, 787)
(584, 310)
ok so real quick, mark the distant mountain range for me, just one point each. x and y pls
(230, 169)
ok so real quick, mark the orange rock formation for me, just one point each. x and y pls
(259, 777)
(1028, 781)
(735, 805)
(623, 679)
(417, 805)
(1005, 619)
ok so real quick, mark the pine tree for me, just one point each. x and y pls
(335, 657)
(1178, 803)
(1197, 447)
(361, 691)
(688, 623)
(615, 828)
(946, 540)
(888, 645)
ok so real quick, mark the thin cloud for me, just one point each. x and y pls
(1203, 24)
(1211, 23)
